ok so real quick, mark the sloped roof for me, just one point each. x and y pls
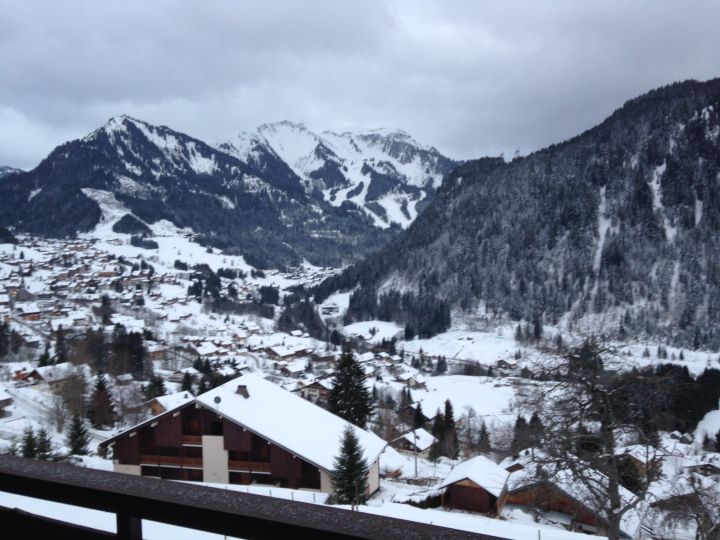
(421, 438)
(575, 488)
(288, 420)
(173, 401)
(480, 470)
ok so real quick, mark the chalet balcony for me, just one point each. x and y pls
(248, 466)
(192, 440)
(172, 461)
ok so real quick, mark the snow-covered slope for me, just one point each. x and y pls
(385, 172)
(5, 171)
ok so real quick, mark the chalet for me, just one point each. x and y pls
(50, 374)
(29, 312)
(247, 431)
(156, 351)
(5, 401)
(562, 493)
(317, 392)
(704, 469)
(406, 415)
(168, 402)
(179, 375)
(478, 484)
(643, 458)
(206, 349)
(418, 441)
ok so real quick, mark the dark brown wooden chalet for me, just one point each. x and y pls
(170, 446)
(194, 441)
(478, 485)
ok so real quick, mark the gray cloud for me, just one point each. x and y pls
(472, 78)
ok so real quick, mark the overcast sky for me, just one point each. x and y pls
(472, 78)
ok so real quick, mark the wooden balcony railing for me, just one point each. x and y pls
(254, 466)
(147, 459)
(192, 439)
(231, 513)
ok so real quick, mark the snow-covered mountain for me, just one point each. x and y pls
(5, 171)
(617, 226)
(158, 174)
(385, 172)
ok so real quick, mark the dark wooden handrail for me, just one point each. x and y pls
(179, 461)
(243, 515)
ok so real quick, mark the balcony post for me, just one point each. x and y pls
(128, 527)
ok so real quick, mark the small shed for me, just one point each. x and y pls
(477, 484)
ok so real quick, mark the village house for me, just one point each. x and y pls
(406, 415)
(5, 401)
(565, 495)
(317, 392)
(478, 484)
(168, 402)
(247, 431)
(645, 459)
(418, 441)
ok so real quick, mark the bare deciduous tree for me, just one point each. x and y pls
(581, 401)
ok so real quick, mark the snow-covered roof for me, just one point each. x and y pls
(287, 420)
(483, 472)
(173, 401)
(572, 486)
(206, 348)
(4, 394)
(58, 371)
(641, 452)
(421, 438)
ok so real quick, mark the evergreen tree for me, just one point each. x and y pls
(155, 388)
(449, 437)
(405, 397)
(44, 359)
(60, 347)
(441, 366)
(102, 410)
(350, 398)
(350, 472)
(28, 448)
(520, 435)
(483, 444)
(77, 439)
(44, 445)
(418, 417)
(536, 430)
(106, 310)
(717, 441)
(186, 383)
(438, 431)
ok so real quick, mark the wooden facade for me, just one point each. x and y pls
(549, 498)
(172, 446)
(467, 495)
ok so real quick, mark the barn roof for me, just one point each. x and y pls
(485, 473)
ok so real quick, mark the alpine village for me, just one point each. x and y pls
(352, 321)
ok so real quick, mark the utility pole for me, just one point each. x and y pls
(416, 450)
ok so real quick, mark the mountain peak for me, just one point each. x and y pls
(286, 124)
